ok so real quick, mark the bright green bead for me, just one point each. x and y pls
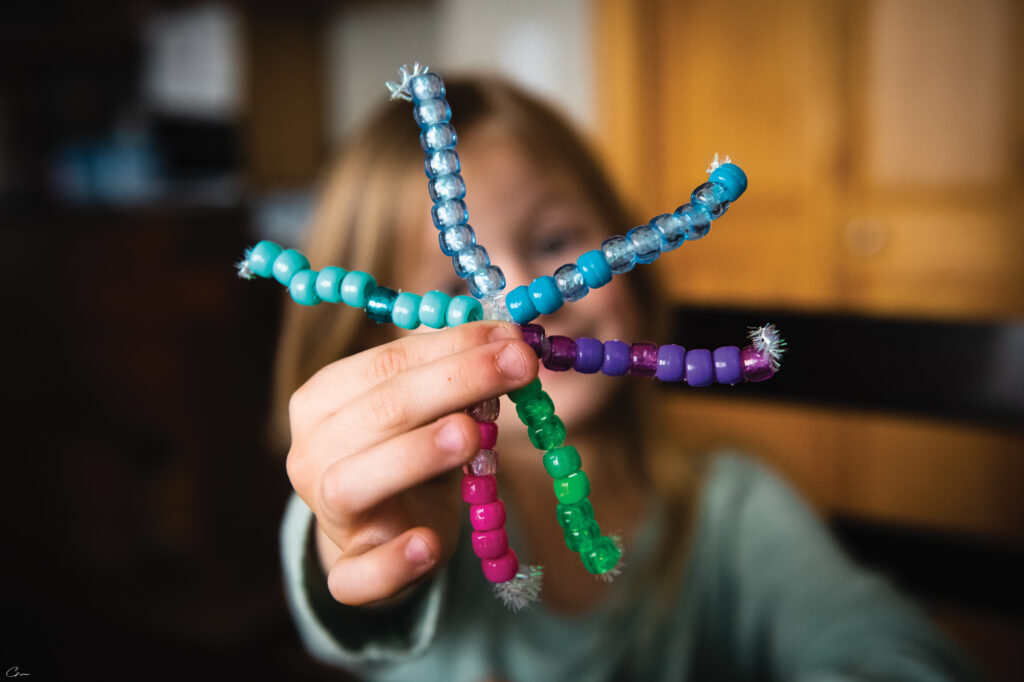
(287, 264)
(433, 308)
(406, 311)
(582, 538)
(536, 409)
(572, 488)
(356, 288)
(562, 461)
(302, 287)
(601, 557)
(575, 515)
(328, 283)
(547, 434)
(526, 392)
(463, 309)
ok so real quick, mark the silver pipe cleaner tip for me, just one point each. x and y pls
(768, 340)
(400, 89)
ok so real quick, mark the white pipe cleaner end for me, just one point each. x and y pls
(715, 163)
(400, 89)
(768, 340)
(614, 572)
(244, 267)
(522, 590)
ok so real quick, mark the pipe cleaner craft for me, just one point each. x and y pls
(518, 585)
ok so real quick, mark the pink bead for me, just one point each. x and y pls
(487, 516)
(502, 569)
(757, 366)
(488, 435)
(484, 463)
(490, 544)
(479, 489)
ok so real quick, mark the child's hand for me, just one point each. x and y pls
(376, 448)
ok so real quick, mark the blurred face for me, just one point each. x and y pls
(531, 219)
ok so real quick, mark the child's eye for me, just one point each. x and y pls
(555, 242)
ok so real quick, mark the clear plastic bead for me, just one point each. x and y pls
(485, 410)
(441, 162)
(449, 213)
(456, 238)
(570, 282)
(469, 260)
(486, 282)
(445, 187)
(646, 243)
(426, 86)
(672, 230)
(484, 463)
(618, 254)
(697, 218)
(438, 136)
(713, 197)
(430, 111)
(495, 308)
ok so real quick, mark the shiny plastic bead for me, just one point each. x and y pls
(463, 309)
(328, 283)
(527, 392)
(490, 544)
(485, 461)
(441, 162)
(261, 258)
(536, 409)
(487, 516)
(561, 354)
(545, 295)
(445, 187)
(486, 410)
(712, 197)
(547, 434)
(618, 254)
(287, 264)
(380, 304)
(757, 366)
(533, 335)
(575, 515)
(456, 238)
(589, 355)
(728, 367)
(426, 86)
(616, 358)
(570, 282)
(700, 370)
(469, 260)
(487, 281)
(643, 359)
(698, 220)
(594, 269)
(645, 242)
(479, 489)
(494, 305)
(406, 311)
(438, 136)
(429, 111)
(561, 462)
(520, 305)
(572, 488)
(671, 363)
(488, 435)
(502, 569)
(449, 213)
(356, 287)
(582, 537)
(732, 178)
(603, 556)
(303, 287)
(672, 230)
(433, 307)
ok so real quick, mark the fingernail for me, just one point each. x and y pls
(450, 438)
(417, 552)
(502, 332)
(511, 363)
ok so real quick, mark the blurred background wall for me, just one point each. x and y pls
(143, 145)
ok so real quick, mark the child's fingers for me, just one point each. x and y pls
(384, 570)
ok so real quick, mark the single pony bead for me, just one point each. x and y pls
(616, 358)
(757, 366)
(287, 263)
(380, 304)
(713, 197)
(589, 355)
(545, 295)
(547, 434)
(602, 557)
(485, 410)
(430, 111)
(643, 359)
(572, 488)
(502, 569)
(698, 220)
(582, 537)
(356, 288)
(618, 254)
(671, 362)
(445, 187)
(328, 283)
(433, 307)
(527, 392)
(570, 282)
(487, 281)
(732, 178)
(533, 335)
(456, 238)
(441, 162)
(488, 516)
(469, 260)
(535, 409)
(449, 213)
(594, 269)
(485, 461)
(728, 366)
(406, 310)
(672, 230)
(561, 354)
(645, 243)
(488, 435)
(575, 515)
(438, 136)
(426, 86)
(302, 287)
(463, 309)
(700, 370)
(490, 544)
(260, 260)
(560, 462)
(520, 305)
(479, 489)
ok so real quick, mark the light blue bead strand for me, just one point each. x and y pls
(328, 283)
(486, 281)
(456, 238)
(441, 162)
(594, 269)
(445, 187)
(433, 308)
(430, 111)
(520, 305)
(356, 288)
(302, 287)
(712, 197)
(426, 86)
(469, 260)
(438, 136)
(618, 254)
(463, 309)
(732, 178)
(449, 213)
(545, 295)
(698, 220)
(570, 282)
(405, 313)
(672, 230)
(261, 259)
(645, 242)
(287, 264)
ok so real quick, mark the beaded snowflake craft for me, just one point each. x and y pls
(518, 585)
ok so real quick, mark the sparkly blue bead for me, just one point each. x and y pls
(261, 258)
(426, 86)
(433, 308)
(438, 136)
(570, 282)
(380, 303)
(456, 238)
(287, 264)
(463, 309)
(469, 260)
(405, 313)
(328, 283)
(356, 288)
(545, 295)
(618, 254)
(430, 111)
(449, 213)
(712, 197)
(441, 162)
(486, 281)
(594, 269)
(303, 287)
(698, 220)
(732, 178)
(443, 187)
(520, 305)
(645, 242)
(672, 230)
